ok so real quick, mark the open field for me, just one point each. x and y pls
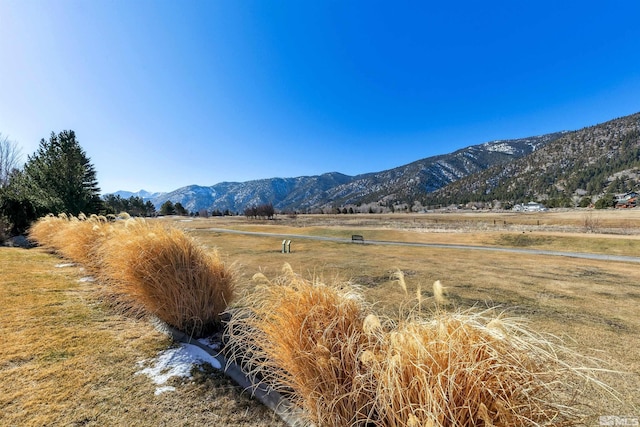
(66, 360)
(591, 304)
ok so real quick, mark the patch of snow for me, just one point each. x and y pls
(211, 342)
(160, 390)
(69, 264)
(86, 279)
(176, 362)
(501, 147)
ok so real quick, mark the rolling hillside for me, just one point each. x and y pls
(561, 169)
(322, 192)
(582, 165)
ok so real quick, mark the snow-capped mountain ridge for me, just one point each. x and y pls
(314, 193)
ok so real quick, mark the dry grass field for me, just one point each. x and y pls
(66, 360)
(591, 304)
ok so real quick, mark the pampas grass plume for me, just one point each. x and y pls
(371, 324)
(398, 275)
(438, 293)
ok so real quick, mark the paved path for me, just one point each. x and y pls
(601, 257)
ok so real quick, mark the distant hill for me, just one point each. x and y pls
(142, 193)
(581, 165)
(409, 183)
(324, 192)
(561, 168)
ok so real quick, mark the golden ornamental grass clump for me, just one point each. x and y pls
(304, 338)
(147, 269)
(74, 238)
(78, 239)
(167, 274)
(45, 229)
(344, 366)
(471, 368)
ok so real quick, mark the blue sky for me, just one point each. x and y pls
(163, 94)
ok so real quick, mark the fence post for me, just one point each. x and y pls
(284, 246)
(289, 246)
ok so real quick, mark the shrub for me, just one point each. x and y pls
(5, 228)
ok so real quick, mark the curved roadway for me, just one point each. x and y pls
(601, 257)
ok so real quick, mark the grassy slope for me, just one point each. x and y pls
(66, 360)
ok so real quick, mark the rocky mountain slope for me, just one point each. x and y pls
(560, 169)
(320, 193)
(585, 164)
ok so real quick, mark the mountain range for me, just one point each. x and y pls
(566, 165)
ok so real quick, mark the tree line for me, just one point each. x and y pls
(134, 205)
(58, 178)
(264, 211)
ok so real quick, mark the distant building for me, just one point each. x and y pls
(530, 207)
(628, 200)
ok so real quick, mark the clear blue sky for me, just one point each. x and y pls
(163, 94)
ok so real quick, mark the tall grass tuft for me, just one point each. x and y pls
(304, 338)
(344, 366)
(398, 276)
(44, 230)
(148, 269)
(438, 293)
(79, 238)
(163, 271)
(468, 369)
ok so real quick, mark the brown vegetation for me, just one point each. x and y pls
(322, 346)
(67, 360)
(148, 268)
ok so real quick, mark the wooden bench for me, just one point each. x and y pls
(357, 238)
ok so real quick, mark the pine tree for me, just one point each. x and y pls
(180, 210)
(61, 177)
(167, 208)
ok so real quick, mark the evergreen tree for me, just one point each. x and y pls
(180, 210)
(134, 205)
(167, 208)
(60, 176)
(150, 210)
(606, 201)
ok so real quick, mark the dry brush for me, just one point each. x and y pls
(345, 366)
(146, 268)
